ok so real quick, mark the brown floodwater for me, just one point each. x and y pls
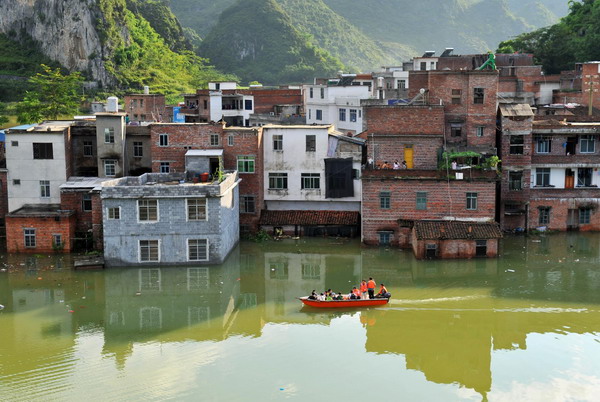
(523, 327)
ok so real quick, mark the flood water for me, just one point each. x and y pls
(524, 327)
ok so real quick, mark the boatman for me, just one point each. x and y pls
(371, 288)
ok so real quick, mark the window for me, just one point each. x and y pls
(516, 145)
(86, 203)
(353, 115)
(138, 149)
(319, 114)
(248, 204)
(384, 199)
(163, 140)
(17, 182)
(456, 94)
(214, 140)
(385, 238)
(544, 218)
(311, 92)
(196, 209)
(543, 145)
(88, 148)
(42, 150)
(205, 103)
(114, 213)
(248, 104)
(585, 215)
(278, 181)
(14, 143)
(342, 114)
(245, 164)
(587, 144)
(478, 95)
(479, 130)
(430, 250)
(309, 114)
(421, 200)
(277, 142)
(230, 140)
(197, 249)
(311, 143)
(401, 84)
(515, 181)
(29, 237)
(45, 188)
(109, 135)
(322, 93)
(423, 66)
(148, 210)
(310, 181)
(584, 177)
(110, 167)
(149, 251)
(57, 240)
(455, 130)
(471, 201)
(542, 177)
(165, 167)
(480, 248)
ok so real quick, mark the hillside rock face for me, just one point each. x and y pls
(64, 29)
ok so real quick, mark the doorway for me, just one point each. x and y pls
(573, 219)
(408, 155)
(569, 178)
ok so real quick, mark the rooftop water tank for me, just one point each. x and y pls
(112, 104)
(146, 90)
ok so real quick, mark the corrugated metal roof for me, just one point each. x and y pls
(522, 109)
(439, 230)
(269, 217)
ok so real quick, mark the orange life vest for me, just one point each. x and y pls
(371, 284)
(363, 287)
(356, 292)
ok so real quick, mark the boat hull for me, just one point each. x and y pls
(343, 303)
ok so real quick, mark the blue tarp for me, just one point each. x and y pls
(22, 127)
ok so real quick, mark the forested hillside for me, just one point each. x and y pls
(574, 39)
(256, 40)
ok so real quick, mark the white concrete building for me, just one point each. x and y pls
(311, 168)
(336, 104)
(37, 163)
(426, 62)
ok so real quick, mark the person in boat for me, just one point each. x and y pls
(383, 292)
(371, 288)
(329, 297)
(321, 297)
(313, 295)
(339, 296)
(355, 293)
(363, 290)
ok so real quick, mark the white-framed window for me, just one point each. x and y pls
(277, 142)
(543, 145)
(353, 114)
(310, 181)
(247, 204)
(45, 188)
(215, 140)
(110, 167)
(148, 210)
(197, 249)
(163, 140)
(401, 84)
(245, 164)
(109, 135)
(138, 149)
(30, 239)
(165, 167)
(86, 203)
(88, 148)
(278, 181)
(342, 114)
(542, 177)
(114, 213)
(471, 201)
(149, 250)
(230, 140)
(196, 209)
(587, 144)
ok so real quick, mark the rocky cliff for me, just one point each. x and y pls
(65, 31)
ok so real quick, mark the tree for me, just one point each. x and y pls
(3, 118)
(53, 95)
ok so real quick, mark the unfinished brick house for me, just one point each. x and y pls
(145, 107)
(235, 148)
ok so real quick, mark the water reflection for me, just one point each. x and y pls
(447, 319)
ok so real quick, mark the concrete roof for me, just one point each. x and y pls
(204, 152)
(84, 182)
(510, 110)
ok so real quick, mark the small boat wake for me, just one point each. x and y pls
(436, 300)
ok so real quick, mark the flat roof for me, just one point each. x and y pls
(84, 182)
(304, 126)
(204, 152)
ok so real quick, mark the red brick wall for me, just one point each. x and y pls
(3, 201)
(266, 99)
(454, 248)
(404, 120)
(73, 201)
(559, 212)
(568, 97)
(591, 73)
(97, 221)
(153, 108)
(45, 228)
(444, 199)
(391, 148)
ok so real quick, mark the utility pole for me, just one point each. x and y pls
(591, 90)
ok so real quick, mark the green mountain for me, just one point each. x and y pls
(574, 39)
(255, 39)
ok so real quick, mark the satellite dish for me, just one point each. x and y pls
(422, 91)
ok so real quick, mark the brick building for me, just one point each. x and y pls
(145, 107)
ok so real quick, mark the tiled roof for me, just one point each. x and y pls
(438, 230)
(309, 218)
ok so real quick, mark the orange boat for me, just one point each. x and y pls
(344, 303)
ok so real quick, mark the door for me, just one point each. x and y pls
(573, 219)
(569, 178)
(408, 156)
